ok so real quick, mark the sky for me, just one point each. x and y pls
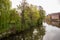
(50, 6)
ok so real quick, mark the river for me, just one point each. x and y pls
(52, 32)
(46, 32)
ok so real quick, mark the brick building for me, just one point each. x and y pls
(55, 16)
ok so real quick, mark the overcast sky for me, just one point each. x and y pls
(50, 6)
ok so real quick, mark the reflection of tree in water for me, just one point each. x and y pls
(29, 35)
(40, 34)
(54, 23)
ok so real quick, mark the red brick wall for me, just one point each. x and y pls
(55, 16)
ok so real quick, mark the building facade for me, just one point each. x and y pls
(55, 16)
(53, 19)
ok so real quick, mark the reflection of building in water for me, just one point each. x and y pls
(56, 23)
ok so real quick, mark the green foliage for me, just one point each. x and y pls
(42, 17)
(4, 14)
(8, 17)
(5, 4)
(14, 19)
(11, 20)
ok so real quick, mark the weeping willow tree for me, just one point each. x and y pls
(4, 14)
(9, 18)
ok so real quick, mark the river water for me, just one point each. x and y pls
(45, 32)
(52, 32)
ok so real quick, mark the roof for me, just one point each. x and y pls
(58, 13)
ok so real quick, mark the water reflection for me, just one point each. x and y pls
(54, 23)
(35, 33)
(45, 32)
(52, 32)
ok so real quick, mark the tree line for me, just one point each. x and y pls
(27, 17)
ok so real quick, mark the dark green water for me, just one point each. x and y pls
(46, 32)
(35, 33)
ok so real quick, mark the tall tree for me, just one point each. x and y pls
(4, 11)
(22, 7)
(42, 16)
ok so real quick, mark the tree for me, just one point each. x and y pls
(42, 16)
(9, 18)
(4, 17)
(14, 20)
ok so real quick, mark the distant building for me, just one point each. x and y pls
(53, 19)
(55, 16)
